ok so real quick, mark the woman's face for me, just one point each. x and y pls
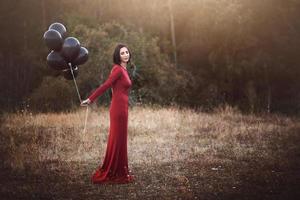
(124, 55)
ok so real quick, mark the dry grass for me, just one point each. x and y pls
(174, 153)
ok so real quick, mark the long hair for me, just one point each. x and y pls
(116, 55)
(117, 60)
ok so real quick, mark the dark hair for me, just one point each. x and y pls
(116, 55)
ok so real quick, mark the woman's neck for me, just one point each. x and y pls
(124, 65)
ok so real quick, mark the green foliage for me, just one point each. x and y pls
(240, 53)
(154, 78)
(54, 94)
(244, 51)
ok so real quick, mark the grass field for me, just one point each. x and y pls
(173, 153)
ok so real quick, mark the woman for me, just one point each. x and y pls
(115, 165)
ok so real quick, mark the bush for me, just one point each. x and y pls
(54, 94)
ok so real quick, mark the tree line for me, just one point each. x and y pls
(197, 53)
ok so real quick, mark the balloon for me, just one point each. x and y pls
(53, 39)
(60, 28)
(56, 61)
(70, 48)
(68, 74)
(82, 56)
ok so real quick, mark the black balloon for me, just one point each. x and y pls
(70, 49)
(60, 28)
(53, 39)
(68, 74)
(82, 56)
(56, 61)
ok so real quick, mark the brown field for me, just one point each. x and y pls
(173, 153)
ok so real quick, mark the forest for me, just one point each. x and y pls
(192, 53)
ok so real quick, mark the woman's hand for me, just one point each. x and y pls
(85, 102)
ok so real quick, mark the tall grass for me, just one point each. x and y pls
(155, 136)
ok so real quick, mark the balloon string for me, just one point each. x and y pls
(75, 83)
(86, 117)
(87, 107)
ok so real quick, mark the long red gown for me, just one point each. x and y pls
(115, 165)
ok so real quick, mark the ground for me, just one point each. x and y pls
(173, 154)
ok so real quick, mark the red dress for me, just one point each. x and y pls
(115, 165)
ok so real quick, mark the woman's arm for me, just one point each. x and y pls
(114, 75)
